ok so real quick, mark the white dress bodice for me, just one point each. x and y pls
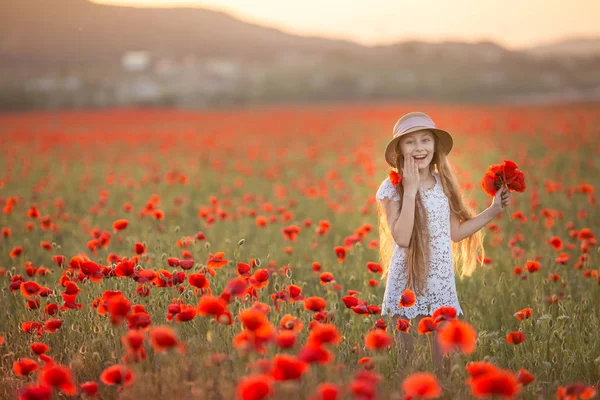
(440, 287)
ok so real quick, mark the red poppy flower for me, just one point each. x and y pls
(378, 339)
(52, 325)
(295, 293)
(524, 377)
(291, 323)
(314, 304)
(117, 375)
(290, 232)
(35, 391)
(287, 367)
(39, 348)
(374, 267)
(125, 268)
(325, 278)
(185, 264)
(59, 260)
(216, 261)
(163, 338)
(186, 313)
(367, 363)
(235, 287)
(407, 299)
(422, 385)
(403, 325)
(476, 369)
(139, 248)
(90, 388)
(120, 224)
(315, 353)
(395, 177)
(92, 270)
(427, 325)
(523, 314)
(24, 366)
(259, 279)
(252, 319)
(532, 266)
(562, 258)
(350, 301)
(133, 340)
(286, 339)
(324, 334)
(15, 252)
(515, 337)
(255, 387)
(30, 288)
(497, 382)
(118, 308)
(211, 305)
(444, 313)
(340, 253)
(59, 377)
(316, 267)
(574, 391)
(556, 243)
(198, 281)
(456, 335)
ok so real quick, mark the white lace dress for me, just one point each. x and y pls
(440, 289)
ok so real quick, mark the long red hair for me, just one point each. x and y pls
(464, 253)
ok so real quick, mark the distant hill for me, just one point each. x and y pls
(574, 47)
(78, 31)
(52, 33)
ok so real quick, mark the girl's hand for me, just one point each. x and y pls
(501, 200)
(410, 176)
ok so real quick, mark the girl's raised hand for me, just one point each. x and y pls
(410, 176)
(501, 200)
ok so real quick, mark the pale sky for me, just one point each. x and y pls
(511, 23)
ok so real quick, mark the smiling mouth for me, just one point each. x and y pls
(420, 158)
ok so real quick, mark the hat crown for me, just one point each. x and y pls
(412, 120)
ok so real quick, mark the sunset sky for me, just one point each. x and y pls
(511, 23)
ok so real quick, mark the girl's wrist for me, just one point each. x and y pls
(410, 194)
(496, 209)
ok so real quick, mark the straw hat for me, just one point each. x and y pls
(412, 122)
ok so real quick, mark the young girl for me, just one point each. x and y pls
(419, 218)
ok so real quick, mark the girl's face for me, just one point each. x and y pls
(418, 144)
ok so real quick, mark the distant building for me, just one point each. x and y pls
(136, 61)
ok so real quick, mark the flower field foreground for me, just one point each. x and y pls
(233, 254)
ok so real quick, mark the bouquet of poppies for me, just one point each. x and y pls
(505, 174)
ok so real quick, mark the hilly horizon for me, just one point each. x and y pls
(56, 33)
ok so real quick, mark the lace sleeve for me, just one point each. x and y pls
(387, 190)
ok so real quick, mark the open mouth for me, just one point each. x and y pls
(420, 157)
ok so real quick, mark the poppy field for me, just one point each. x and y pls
(234, 254)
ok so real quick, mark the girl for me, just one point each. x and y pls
(419, 217)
